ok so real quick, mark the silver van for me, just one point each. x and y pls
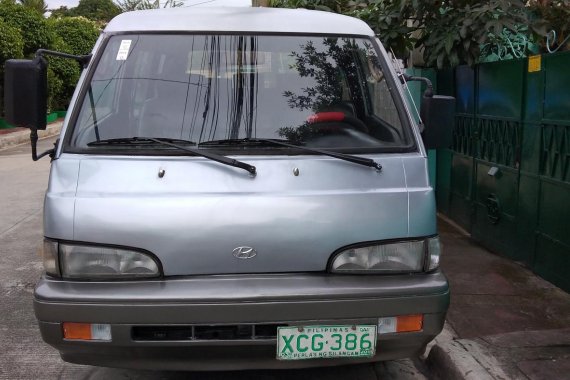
(236, 188)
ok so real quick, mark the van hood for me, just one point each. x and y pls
(199, 212)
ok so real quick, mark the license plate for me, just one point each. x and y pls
(317, 342)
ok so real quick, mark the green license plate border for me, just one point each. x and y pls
(372, 353)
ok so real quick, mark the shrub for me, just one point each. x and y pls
(79, 33)
(31, 24)
(98, 10)
(63, 74)
(11, 43)
(73, 35)
(11, 46)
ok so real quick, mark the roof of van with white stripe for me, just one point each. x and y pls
(237, 19)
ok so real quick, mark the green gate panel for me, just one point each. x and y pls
(552, 261)
(527, 217)
(531, 148)
(465, 90)
(555, 155)
(460, 206)
(500, 89)
(499, 181)
(465, 135)
(495, 199)
(496, 147)
(554, 211)
(443, 174)
(507, 177)
(557, 83)
(461, 179)
(498, 140)
(534, 95)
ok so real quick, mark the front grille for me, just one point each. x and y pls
(205, 332)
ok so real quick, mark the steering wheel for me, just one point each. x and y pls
(335, 121)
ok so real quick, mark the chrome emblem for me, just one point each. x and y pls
(244, 253)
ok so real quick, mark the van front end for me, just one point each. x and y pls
(237, 190)
(325, 252)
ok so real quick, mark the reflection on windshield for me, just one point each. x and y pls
(315, 91)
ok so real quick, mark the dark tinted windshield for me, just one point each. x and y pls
(318, 91)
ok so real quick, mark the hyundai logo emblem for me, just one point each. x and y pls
(244, 252)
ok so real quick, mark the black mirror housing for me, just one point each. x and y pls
(438, 115)
(25, 92)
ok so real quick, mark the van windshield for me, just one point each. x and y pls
(324, 92)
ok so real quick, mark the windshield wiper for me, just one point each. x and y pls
(170, 142)
(138, 141)
(257, 141)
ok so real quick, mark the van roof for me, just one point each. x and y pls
(238, 19)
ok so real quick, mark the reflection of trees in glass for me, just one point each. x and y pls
(299, 134)
(330, 67)
(327, 67)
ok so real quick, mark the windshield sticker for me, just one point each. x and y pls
(124, 50)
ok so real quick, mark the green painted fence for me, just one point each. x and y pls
(506, 179)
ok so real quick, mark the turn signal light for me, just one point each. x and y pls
(407, 323)
(86, 331)
(401, 323)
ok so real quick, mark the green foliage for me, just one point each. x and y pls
(11, 46)
(392, 21)
(62, 76)
(11, 43)
(37, 5)
(552, 15)
(55, 91)
(317, 65)
(79, 33)
(508, 45)
(73, 35)
(96, 10)
(62, 11)
(31, 24)
(320, 64)
(450, 31)
(339, 6)
(455, 33)
(137, 5)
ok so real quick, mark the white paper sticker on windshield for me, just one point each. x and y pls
(124, 50)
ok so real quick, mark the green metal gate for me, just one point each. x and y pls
(507, 178)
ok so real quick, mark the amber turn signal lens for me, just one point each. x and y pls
(77, 330)
(407, 323)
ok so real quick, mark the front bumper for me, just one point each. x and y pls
(292, 299)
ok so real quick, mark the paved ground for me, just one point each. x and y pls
(23, 355)
(514, 324)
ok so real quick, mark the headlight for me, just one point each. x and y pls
(398, 257)
(82, 261)
(50, 259)
(433, 253)
(95, 262)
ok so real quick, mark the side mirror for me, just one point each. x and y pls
(438, 116)
(25, 92)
